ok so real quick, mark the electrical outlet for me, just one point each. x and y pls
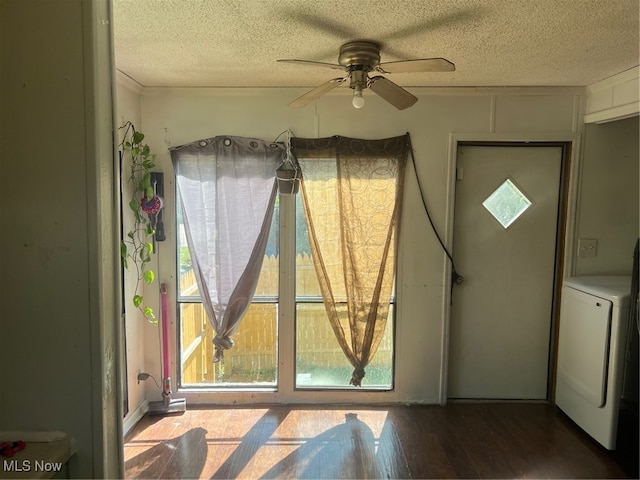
(587, 247)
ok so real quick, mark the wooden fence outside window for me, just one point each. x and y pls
(256, 339)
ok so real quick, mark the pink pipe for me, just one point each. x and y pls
(165, 331)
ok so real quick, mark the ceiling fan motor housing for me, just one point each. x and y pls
(359, 58)
(359, 55)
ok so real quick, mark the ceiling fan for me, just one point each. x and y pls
(358, 59)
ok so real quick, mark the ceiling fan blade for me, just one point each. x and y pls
(392, 93)
(314, 64)
(420, 65)
(320, 90)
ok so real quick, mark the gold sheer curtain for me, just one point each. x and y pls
(352, 197)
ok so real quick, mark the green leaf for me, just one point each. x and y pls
(123, 250)
(137, 300)
(133, 205)
(149, 276)
(150, 316)
(149, 247)
(149, 193)
(138, 137)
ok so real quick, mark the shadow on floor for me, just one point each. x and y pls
(179, 457)
(255, 438)
(344, 451)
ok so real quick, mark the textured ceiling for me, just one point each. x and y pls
(179, 43)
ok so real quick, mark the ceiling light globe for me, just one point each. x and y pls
(358, 99)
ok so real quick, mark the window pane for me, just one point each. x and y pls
(187, 286)
(306, 280)
(320, 361)
(268, 282)
(507, 203)
(251, 362)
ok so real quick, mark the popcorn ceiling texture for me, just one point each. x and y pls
(181, 43)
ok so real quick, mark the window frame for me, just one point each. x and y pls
(285, 389)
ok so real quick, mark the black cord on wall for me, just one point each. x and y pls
(456, 278)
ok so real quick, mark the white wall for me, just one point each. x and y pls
(58, 289)
(609, 196)
(174, 117)
(128, 109)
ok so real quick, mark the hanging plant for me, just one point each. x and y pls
(137, 247)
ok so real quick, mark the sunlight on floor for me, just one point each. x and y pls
(258, 443)
(306, 439)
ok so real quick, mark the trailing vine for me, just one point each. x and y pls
(137, 247)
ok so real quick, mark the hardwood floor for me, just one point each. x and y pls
(461, 440)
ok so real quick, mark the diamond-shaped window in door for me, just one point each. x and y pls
(507, 203)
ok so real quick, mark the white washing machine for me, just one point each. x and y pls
(591, 348)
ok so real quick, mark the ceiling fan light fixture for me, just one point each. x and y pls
(359, 81)
(358, 100)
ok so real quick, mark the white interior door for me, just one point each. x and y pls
(501, 314)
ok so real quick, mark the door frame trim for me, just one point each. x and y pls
(567, 222)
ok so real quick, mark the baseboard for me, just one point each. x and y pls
(134, 417)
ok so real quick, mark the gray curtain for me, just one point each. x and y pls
(352, 197)
(227, 189)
